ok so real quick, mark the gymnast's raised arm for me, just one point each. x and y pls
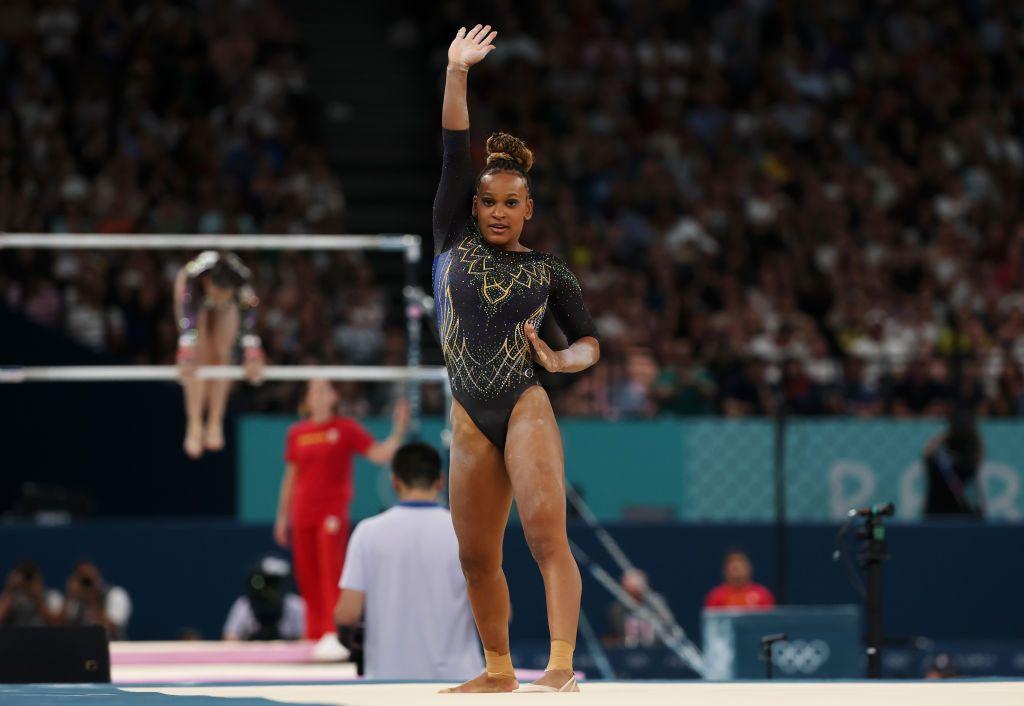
(451, 204)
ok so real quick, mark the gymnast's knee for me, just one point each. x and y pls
(479, 566)
(548, 546)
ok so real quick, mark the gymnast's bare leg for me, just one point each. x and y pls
(223, 332)
(481, 497)
(536, 469)
(194, 388)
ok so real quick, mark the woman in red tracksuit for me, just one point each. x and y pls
(316, 492)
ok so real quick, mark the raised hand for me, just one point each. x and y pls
(471, 47)
(548, 359)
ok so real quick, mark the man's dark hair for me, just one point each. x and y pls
(417, 465)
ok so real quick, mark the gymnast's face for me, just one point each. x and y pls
(501, 206)
(321, 398)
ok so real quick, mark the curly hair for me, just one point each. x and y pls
(507, 153)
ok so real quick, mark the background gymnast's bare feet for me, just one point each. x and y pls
(213, 437)
(486, 684)
(193, 444)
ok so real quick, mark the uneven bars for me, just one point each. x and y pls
(134, 373)
(90, 241)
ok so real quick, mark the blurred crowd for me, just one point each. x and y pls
(166, 117)
(768, 203)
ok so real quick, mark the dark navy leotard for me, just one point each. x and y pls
(484, 296)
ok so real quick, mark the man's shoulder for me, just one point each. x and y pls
(399, 516)
(372, 525)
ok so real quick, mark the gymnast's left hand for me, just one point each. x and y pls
(548, 359)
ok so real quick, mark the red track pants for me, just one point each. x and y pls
(319, 554)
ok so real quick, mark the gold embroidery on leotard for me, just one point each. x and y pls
(496, 286)
(488, 373)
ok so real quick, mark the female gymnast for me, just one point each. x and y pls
(316, 493)
(212, 301)
(492, 293)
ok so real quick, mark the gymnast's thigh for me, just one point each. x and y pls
(480, 494)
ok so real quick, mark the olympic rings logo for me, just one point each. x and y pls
(803, 656)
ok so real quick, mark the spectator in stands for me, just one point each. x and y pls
(684, 386)
(90, 600)
(267, 610)
(857, 397)
(1009, 400)
(918, 393)
(738, 590)
(632, 395)
(747, 392)
(801, 395)
(402, 571)
(739, 197)
(26, 601)
(968, 390)
(631, 627)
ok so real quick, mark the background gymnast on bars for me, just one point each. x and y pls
(213, 301)
(492, 293)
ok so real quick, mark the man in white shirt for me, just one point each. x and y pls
(402, 567)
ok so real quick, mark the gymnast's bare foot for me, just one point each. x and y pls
(485, 684)
(214, 440)
(558, 680)
(194, 440)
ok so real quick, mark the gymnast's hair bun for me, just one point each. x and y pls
(504, 147)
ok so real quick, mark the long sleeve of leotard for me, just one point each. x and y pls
(451, 203)
(565, 300)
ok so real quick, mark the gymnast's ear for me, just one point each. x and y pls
(529, 207)
(475, 198)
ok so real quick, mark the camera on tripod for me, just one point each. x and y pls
(887, 510)
(872, 553)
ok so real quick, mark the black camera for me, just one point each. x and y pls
(887, 510)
